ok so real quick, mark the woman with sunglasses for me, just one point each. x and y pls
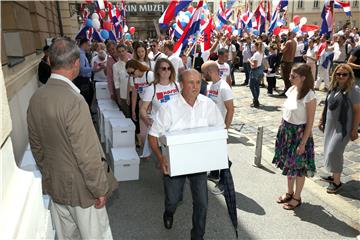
(294, 147)
(340, 121)
(140, 78)
(159, 92)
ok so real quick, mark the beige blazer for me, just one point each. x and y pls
(66, 147)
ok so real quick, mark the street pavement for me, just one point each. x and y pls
(135, 210)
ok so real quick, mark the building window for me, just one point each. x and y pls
(300, 4)
(316, 3)
(356, 3)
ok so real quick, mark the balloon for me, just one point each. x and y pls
(296, 19)
(89, 23)
(303, 20)
(292, 25)
(187, 13)
(132, 30)
(110, 5)
(96, 24)
(94, 16)
(218, 27)
(174, 26)
(228, 35)
(186, 18)
(183, 24)
(256, 32)
(235, 32)
(102, 14)
(296, 29)
(107, 25)
(89, 1)
(205, 6)
(229, 28)
(126, 28)
(104, 34)
(223, 26)
(202, 16)
(128, 36)
(190, 8)
(202, 22)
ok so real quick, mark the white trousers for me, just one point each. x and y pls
(80, 223)
(323, 74)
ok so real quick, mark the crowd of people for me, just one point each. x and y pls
(161, 92)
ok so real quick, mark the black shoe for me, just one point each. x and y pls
(333, 188)
(168, 220)
(327, 178)
(255, 104)
(244, 84)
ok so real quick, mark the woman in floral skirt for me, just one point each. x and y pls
(294, 147)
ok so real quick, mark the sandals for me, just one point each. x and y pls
(288, 206)
(327, 178)
(288, 197)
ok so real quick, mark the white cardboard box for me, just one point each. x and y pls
(195, 150)
(122, 133)
(28, 162)
(106, 116)
(102, 91)
(126, 163)
(104, 105)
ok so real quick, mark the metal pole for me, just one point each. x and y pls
(258, 148)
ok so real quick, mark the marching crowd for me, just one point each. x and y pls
(161, 92)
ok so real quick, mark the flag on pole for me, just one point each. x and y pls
(100, 4)
(175, 6)
(345, 5)
(327, 17)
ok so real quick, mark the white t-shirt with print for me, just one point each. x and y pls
(294, 110)
(258, 57)
(141, 83)
(224, 70)
(162, 95)
(177, 63)
(220, 92)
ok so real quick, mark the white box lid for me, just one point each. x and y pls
(125, 155)
(202, 134)
(118, 124)
(101, 84)
(113, 114)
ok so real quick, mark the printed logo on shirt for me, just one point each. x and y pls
(213, 94)
(140, 87)
(163, 97)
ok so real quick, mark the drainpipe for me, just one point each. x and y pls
(59, 18)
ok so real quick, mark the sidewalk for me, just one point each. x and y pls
(247, 119)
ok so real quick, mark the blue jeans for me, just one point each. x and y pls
(255, 76)
(247, 70)
(174, 188)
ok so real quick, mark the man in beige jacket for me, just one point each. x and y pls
(67, 150)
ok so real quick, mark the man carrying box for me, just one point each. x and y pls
(187, 110)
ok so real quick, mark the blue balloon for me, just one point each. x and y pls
(296, 29)
(202, 16)
(205, 6)
(174, 25)
(256, 32)
(104, 34)
(187, 13)
(89, 23)
(183, 24)
(128, 36)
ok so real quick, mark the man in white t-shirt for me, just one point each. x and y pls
(155, 53)
(224, 68)
(232, 54)
(98, 65)
(175, 60)
(220, 92)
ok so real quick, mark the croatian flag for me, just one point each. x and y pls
(171, 11)
(327, 17)
(260, 16)
(345, 5)
(100, 4)
(274, 19)
(192, 27)
(178, 30)
(223, 14)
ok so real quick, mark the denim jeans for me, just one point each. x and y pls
(232, 70)
(247, 70)
(255, 76)
(174, 188)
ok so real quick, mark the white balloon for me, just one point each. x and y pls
(303, 20)
(235, 33)
(292, 25)
(96, 24)
(186, 18)
(126, 29)
(94, 16)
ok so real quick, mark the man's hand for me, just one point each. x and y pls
(164, 165)
(354, 135)
(100, 202)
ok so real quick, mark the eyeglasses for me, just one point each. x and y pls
(131, 73)
(165, 68)
(342, 74)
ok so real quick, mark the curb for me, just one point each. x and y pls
(350, 212)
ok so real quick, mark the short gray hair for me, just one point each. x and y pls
(63, 53)
(186, 72)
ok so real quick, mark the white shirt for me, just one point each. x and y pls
(99, 76)
(311, 53)
(65, 79)
(299, 49)
(224, 70)
(153, 58)
(163, 94)
(177, 114)
(121, 78)
(141, 83)
(340, 52)
(232, 50)
(258, 57)
(294, 110)
(177, 63)
(220, 92)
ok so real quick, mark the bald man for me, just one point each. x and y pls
(184, 111)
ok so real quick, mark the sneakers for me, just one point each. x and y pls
(327, 178)
(255, 104)
(333, 188)
(219, 189)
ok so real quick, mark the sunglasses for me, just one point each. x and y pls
(165, 68)
(342, 74)
(131, 73)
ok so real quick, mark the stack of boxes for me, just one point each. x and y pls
(118, 134)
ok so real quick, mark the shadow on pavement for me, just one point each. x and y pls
(317, 215)
(265, 169)
(351, 190)
(248, 205)
(270, 108)
(242, 140)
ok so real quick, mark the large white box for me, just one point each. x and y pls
(102, 91)
(195, 150)
(106, 116)
(126, 163)
(122, 133)
(104, 105)
(28, 162)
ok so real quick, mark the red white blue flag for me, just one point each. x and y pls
(175, 6)
(345, 5)
(327, 16)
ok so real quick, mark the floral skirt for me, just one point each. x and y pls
(287, 140)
